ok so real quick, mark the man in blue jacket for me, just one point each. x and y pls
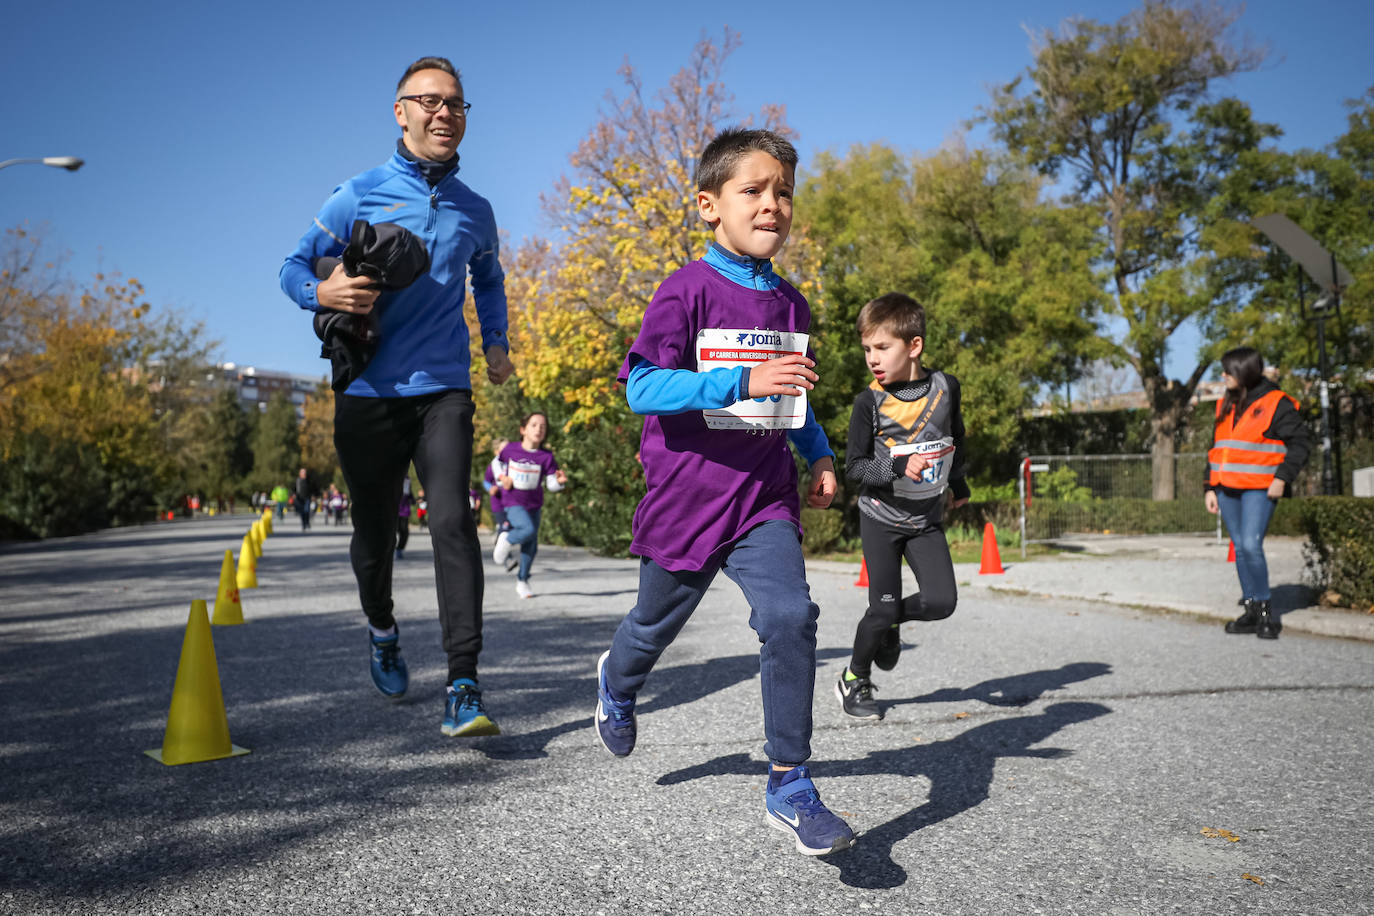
(413, 402)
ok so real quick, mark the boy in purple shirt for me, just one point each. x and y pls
(722, 485)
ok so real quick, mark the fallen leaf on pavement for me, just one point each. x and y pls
(961, 715)
(1255, 878)
(1226, 835)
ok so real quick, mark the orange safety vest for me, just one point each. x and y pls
(1242, 457)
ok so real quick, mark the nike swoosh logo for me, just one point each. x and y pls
(394, 207)
(601, 712)
(794, 820)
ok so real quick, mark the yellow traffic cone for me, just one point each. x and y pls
(247, 575)
(255, 536)
(197, 728)
(228, 610)
(267, 523)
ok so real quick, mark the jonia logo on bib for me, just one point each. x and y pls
(760, 339)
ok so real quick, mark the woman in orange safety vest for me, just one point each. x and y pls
(1259, 444)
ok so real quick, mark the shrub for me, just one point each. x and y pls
(605, 484)
(1005, 516)
(1340, 548)
(53, 489)
(821, 530)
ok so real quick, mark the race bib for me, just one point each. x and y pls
(719, 348)
(935, 478)
(524, 475)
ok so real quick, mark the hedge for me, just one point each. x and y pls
(1340, 547)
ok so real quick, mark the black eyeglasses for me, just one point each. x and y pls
(430, 104)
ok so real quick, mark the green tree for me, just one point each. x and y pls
(1330, 193)
(1006, 279)
(1116, 110)
(276, 444)
(89, 382)
(317, 434)
(218, 452)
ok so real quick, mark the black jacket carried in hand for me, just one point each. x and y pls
(393, 258)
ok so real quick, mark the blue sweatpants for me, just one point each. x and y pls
(767, 565)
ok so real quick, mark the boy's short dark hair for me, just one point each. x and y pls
(897, 312)
(718, 160)
(428, 63)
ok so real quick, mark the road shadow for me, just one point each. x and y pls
(960, 771)
(1291, 597)
(1016, 690)
(668, 686)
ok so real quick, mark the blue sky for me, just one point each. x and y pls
(213, 132)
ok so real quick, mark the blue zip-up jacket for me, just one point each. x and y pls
(424, 337)
(652, 389)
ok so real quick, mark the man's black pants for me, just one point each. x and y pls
(377, 438)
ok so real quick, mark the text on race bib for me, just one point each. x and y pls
(726, 348)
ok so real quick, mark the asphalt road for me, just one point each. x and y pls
(1039, 754)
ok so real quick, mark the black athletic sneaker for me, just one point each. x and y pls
(856, 697)
(889, 650)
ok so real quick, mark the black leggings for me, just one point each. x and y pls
(927, 552)
(377, 438)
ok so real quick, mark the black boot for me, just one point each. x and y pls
(1246, 622)
(1267, 626)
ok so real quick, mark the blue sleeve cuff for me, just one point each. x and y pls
(810, 440)
(495, 338)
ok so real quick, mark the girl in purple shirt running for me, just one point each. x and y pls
(525, 468)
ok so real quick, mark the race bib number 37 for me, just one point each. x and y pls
(721, 348)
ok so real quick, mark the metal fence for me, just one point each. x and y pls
(1110, 494)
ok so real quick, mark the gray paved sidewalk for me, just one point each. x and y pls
(1187, 574)
(1038, 755)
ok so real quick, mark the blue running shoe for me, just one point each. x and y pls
(794, 806)
(388, 668)
(464, 715)
(615, 719)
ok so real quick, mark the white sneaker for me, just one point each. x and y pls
(522, 588)
(502, 548)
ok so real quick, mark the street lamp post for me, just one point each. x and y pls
(1331, 277)
(70, 163)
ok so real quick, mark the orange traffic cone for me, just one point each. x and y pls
(197, 728)
(863, 575)
(992, 560)
(1231, 552)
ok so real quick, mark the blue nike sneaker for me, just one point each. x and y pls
(794, 806)
(615, 719)
(464, 715)
(388, 668)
